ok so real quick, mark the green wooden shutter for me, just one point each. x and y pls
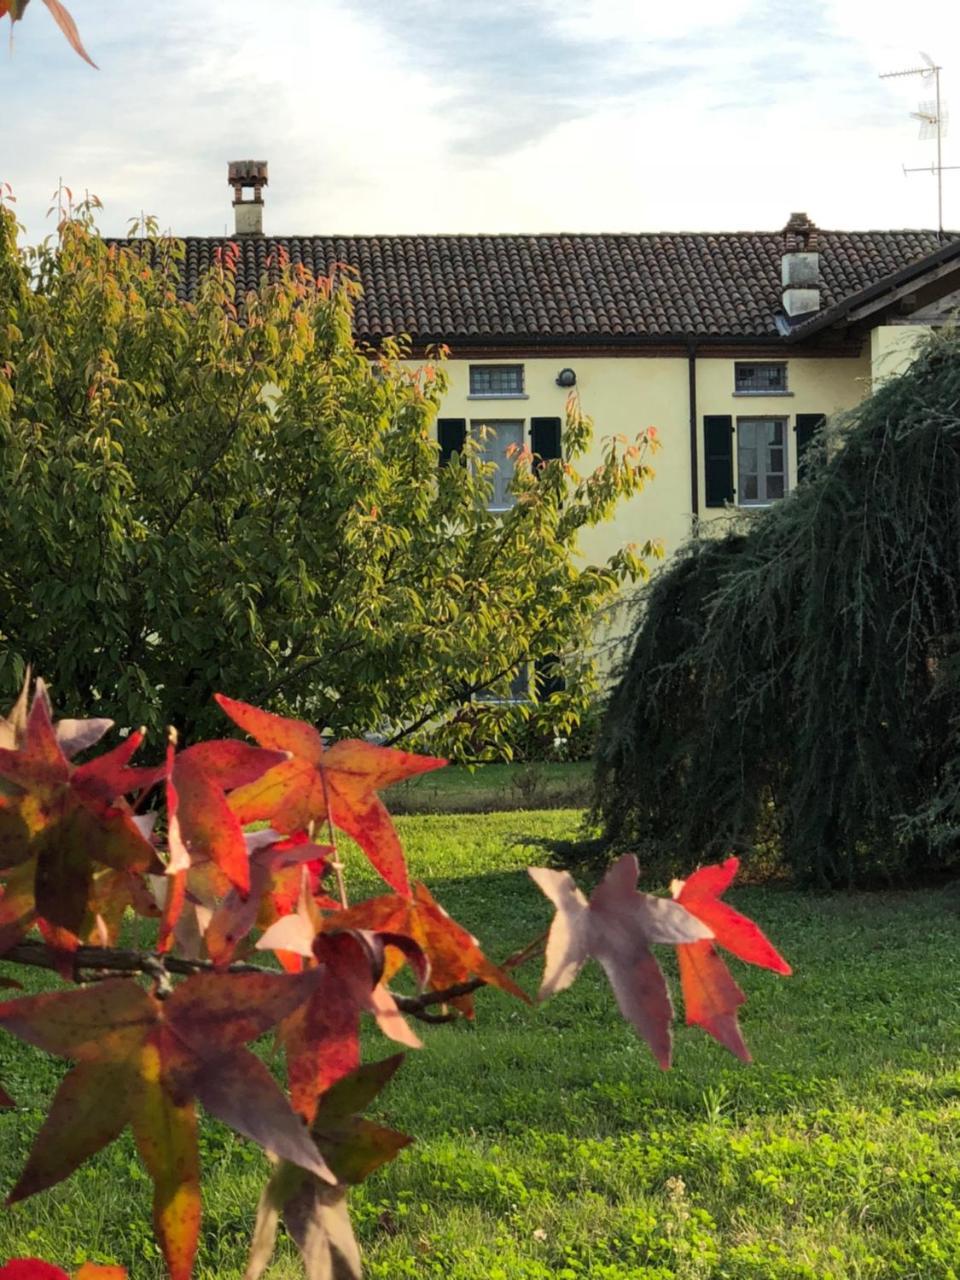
(545, 437)
(718, 459)
(451, 437)
(808, 425)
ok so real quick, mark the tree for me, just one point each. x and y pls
(232, 493)
(78, 850)
(800, 676)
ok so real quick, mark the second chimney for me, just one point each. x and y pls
(244, 176)
(800, 267)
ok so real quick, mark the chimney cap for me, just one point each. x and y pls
(248, 173)
(800, 235)
(799, 222)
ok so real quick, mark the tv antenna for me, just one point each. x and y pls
(933, 124)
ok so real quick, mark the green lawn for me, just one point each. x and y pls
(550, 1145)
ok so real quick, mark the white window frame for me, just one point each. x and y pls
(738, 390)
(512, 393)
(764, 472)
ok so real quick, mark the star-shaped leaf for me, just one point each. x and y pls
(340, 783)
(276, 866)
(142, 1061)
(322, 1037)
(454, 954)
(315, 1213)
(711, 997)
(67, 820)
(616, 927)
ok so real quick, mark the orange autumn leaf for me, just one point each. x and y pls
(339, 783)
(454, 955)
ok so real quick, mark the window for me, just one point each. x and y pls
(761, 460)
(496, 380)
(760, 379)
(497, 441)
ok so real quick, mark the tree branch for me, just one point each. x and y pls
(101, 960)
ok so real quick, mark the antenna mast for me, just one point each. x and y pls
(933, 121)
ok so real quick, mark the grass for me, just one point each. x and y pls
(488, 788)
(550, 1146)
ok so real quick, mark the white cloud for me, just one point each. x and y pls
(413, 115)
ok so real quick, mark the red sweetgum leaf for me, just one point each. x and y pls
(454, 955)
(202, 823)
(321, 1038)
(700, 894)
(30, 1268)
(616, 927)
(65, 822)
(711, 997)
(275, 881)
(314, 1213)
(340, 783)
(141, 1061)
(36, 1269)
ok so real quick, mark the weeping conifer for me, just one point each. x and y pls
(804, 669)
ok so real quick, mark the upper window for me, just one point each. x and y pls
(760, 379)
(496, 379)
(761, 460)
(499, 443)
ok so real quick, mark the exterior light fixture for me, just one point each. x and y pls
(566, 378)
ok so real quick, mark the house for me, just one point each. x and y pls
(735, 345)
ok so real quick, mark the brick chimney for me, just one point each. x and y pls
(244, 176)
(800, 266)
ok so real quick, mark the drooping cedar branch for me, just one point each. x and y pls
(799, 678)
(101, 960)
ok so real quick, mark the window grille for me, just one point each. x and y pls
(496, 379)
(760, 378)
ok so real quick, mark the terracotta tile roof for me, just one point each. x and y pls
(563, 287)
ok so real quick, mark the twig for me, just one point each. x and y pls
(36, 955)
(101, 960)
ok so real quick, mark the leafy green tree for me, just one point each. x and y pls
(231, 492)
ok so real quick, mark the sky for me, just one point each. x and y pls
(381, 116)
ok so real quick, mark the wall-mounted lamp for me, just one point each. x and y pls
(566, 378)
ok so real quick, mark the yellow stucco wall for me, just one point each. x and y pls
(624, 395)
(825, 385)
(627, 394)
(892, 348)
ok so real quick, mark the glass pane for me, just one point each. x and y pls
(747, 431)
(496, 379)
(776, 460)
(497, 437)
(520, 684)
(748, 461)
(775, 432)
(774, 487)
(748, 488)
